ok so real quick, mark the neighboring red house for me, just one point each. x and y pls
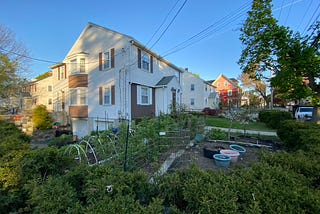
(229, 91)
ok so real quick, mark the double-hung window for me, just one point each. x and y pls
(82, 65)
(144, 95)
(107, 96)
(229, 92)
(192, 87)
(192, 101)
(78, 96)
(73, 65)
(145, 61)
(106, 60)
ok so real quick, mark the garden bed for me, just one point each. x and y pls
(195, 155)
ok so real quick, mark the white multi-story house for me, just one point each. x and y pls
(197, 94)
(42, 91)
(107, 76)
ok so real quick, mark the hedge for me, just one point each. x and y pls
(272, 118)
(299, 134)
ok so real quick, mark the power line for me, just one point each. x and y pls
(164, 20)
(305, 13)
(28, 57)
(169, 24)
(288, 12)
(221, 23)
(310, 20)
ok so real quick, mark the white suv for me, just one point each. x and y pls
(303, 113)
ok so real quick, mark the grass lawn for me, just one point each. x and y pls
(225, 123)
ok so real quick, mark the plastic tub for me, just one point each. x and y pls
(222, 160)
(238, 148)
(232, 153)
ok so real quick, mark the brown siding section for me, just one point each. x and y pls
(78, 111)
(138, 111)
(78, 80)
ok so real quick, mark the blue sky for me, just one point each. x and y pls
(48, 29)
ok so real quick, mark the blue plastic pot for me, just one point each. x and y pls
(238, 148)
(222, 160)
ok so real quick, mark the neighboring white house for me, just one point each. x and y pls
(197, 94)
(108, 76)
(42, 92)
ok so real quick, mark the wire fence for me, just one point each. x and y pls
(134, 149)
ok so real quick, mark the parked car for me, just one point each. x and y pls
(303, 113)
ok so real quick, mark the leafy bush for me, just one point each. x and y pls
(216, 134)
(272, 118)
(298, 134)
(41, 118)
(63, 140)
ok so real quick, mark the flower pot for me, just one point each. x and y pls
(232, 153)
(238, 148)
(222, 160)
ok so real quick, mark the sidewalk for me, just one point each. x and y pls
(242, 131)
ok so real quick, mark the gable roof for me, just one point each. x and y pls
(164, 81)
(234, 83)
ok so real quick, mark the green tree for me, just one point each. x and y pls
(273, 50)
(41, 118)
(13, 63)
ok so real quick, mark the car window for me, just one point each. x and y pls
(305, 109)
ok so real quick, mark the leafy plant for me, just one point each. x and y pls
(216, 134)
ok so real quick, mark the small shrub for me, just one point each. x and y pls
(63, 140)
(41, 118)
(217, 134)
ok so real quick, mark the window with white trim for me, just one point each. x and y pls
(229, 92)
(145, 61)
(225, 83)
(144, 95)
(192, 101)
(82, 65)
(49, 88)
(107, 95)
(62, 72)
(77, 65)
(78, 96)
(50, 101)
(106, 60)
(192, 87)
(73, 65)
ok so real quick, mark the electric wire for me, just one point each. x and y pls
(216, 26)
(305, 13)
(288, 12)
(310, 20)
(164, 20)
(165, 30)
